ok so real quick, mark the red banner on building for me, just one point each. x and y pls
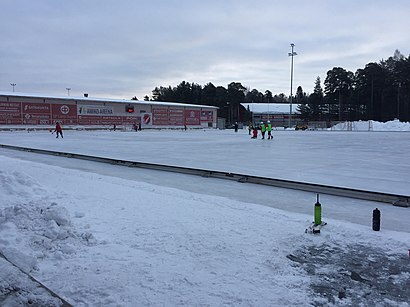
(176, 117)
(10, 113)
(36, 113)
(64, 113)
(160, 116)
(192, 117)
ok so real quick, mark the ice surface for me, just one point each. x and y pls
(113, 236)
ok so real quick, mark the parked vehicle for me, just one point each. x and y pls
(301, 126)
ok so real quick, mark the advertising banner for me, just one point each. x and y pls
(176, 117)
(146, 119)
(10, 113)
(64, 113)
(95, 110)
(36, 113)
(207, 116)
(160, 116)
(192, 117)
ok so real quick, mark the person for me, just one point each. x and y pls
(263, 129)
(254, 132)
(236, 126)
(58, 130)
(115, 127)
(269, 129)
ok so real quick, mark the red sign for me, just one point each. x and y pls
(176, 117)
(10, 113)
(47, 114)
(192, 117)
(160, 116)
(146, 119)
(36, 113)
(64, 111)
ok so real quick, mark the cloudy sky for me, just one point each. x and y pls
(125, 48)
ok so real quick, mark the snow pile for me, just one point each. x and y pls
(32, 229)
(394, 125)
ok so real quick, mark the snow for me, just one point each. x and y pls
(272, 108)
(105, 235)
(394, 125)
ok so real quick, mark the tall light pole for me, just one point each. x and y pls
(398, 101)
(13, 85)
(291, 54)
(68, 90)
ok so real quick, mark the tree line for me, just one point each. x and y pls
(379, 91)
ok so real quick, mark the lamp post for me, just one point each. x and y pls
(398, 101)
(13, 85)
(68, 90)
(229, 112)
(291, 54)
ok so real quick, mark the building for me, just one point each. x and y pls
(45, 110)
(276, 113)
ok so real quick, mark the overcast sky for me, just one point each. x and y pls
(125, 48)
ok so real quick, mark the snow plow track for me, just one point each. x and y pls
(394, 199)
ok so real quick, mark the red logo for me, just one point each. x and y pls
(146, 119)
(64, 109)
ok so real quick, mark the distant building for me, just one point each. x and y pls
(277, 113)
(45, 110)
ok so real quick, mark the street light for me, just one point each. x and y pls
(291, 54)
(68, 90)
(398, 100)
(229, 112)
(13, 85)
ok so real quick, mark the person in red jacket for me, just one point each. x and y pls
(58, 130)
(254, 132)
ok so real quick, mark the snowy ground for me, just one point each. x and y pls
(103, 235)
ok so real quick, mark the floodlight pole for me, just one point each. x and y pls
(398, 101)
(68, 90)
(291, 54)
(13, 85)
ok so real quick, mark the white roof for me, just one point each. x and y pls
(271, 108)
(85, 99)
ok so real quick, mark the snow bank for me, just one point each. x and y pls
(394, 125)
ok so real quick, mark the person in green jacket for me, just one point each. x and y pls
(269, 129)
(263, 130)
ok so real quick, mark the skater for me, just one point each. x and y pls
(236, 127)
(58, 130)
(269, 129)
(263, 129)
(254, 132)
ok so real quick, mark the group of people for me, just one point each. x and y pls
(263, 127)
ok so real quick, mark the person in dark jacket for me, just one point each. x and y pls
(58, 130)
